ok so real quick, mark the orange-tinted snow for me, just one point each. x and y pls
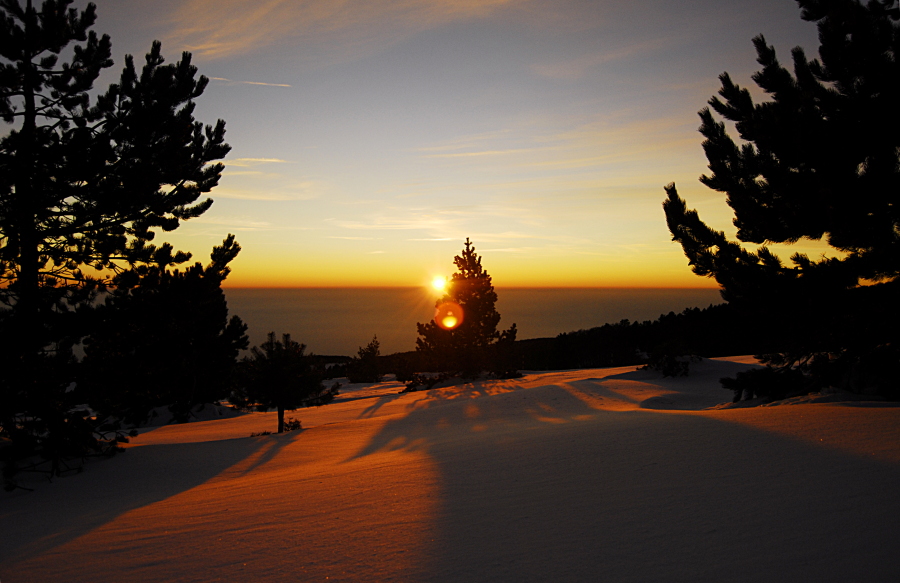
(611, 474)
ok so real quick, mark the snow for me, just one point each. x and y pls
(584, 475)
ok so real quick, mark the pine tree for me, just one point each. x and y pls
(163, 338)
(464, 339)
(820, 160)
(85, 183)
(278, 375)
(366, 366)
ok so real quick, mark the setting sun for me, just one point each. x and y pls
(439, 283)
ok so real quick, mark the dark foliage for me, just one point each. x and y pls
(720, 330)
(332, 366)
(88, 184)
(820, 161)
(83, 183)
(279, 375)
(671, 362)
(469, 348)
(425, 382)
(366, 366)
(403, 364)
(504, 362)
(55, 443)
(768, 383)
(291, 424)
(163, 338)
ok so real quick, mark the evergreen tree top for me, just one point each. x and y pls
(27, 34)
(89, 179)
(820, 159)
(469, 265)
(470, 284)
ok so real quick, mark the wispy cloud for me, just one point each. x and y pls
(415, 221)
(222, 28)
(284, 193)
(578, 67)
(356, 238)
(237, 223)
(232, 82)
(257, 179)
(247, 162)
(469, 142)
(605, 143)
(481, 153)
(455, 224)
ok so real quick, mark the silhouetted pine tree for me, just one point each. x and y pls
(366, 366)
(278, 375)
(819, 161)
(83, 183)
(469, 348)
(163, 338)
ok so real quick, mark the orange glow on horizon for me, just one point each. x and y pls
(380, 285)
(336, 270)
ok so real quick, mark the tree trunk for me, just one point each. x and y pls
(27, 288)
(280, 419)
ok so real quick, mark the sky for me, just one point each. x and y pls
(370, 138)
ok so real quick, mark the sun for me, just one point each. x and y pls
(439, 283)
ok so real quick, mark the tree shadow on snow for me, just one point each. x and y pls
(59, 512)
(536, 485)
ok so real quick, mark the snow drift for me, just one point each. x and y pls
(587, 475)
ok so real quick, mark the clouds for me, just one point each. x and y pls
(233, 223)
(544, 131)
(225, 28)
(261, 179)
(550, 188)
(232, 82)
(574, 68)
(490, 222)
(606, 145)
(251, 162)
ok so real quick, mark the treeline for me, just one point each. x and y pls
(718, 330)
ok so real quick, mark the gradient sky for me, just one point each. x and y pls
(371, 137)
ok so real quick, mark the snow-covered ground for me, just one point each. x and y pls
(585, 475)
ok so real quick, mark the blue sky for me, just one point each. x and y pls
(371, 138)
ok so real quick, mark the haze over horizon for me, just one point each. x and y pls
(369, 140)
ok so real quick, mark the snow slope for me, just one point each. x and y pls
(586, 475)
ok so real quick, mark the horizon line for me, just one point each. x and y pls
(324, 286)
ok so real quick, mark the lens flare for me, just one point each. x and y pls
(439, 283)
(448, 315)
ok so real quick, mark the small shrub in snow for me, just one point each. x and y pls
(366, 366)
(772, 384)
(424, 382)
(670, 365)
